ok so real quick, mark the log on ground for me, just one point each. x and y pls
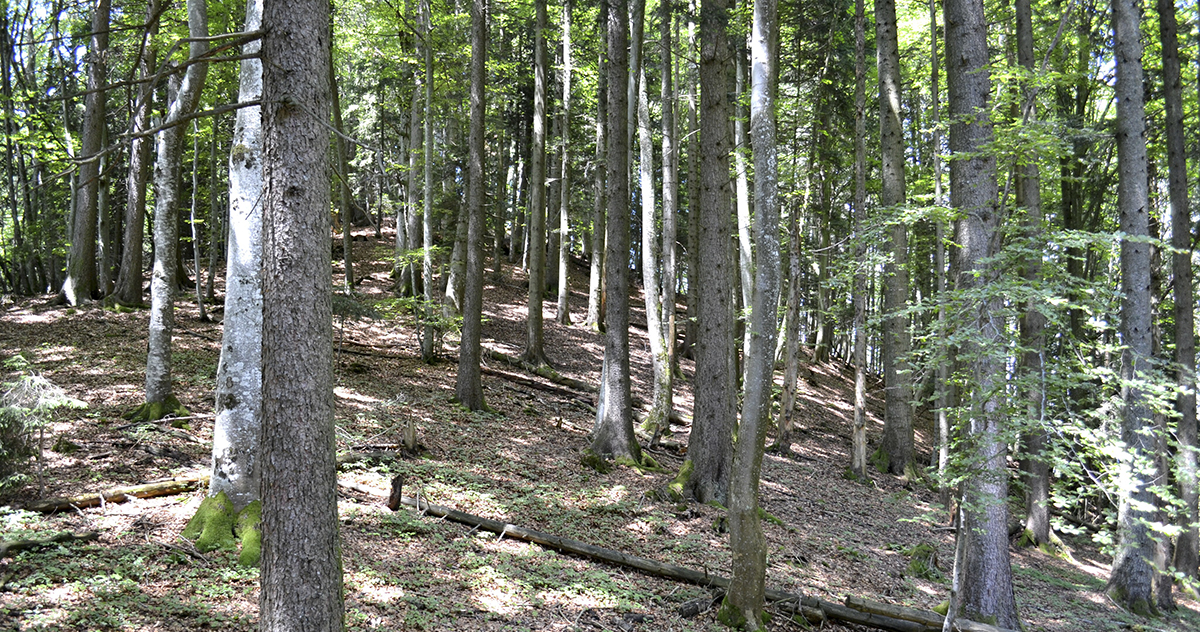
(118, 495)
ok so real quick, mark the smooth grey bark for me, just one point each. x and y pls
(428, 353)
(169, 148)
(301, 580)
(746, 541)
(691, 330)
(128, 289)
(81, 282)
(534, 351)
(343, 183)
(670, 195)
(1186, 554)
(858, 455)
(600, 203)
(613, 435)
(1130, 583)
(468, 385)
(196, 245)
(660, 407)
(1034, 465)
(410, 279)
(710, 444)
(982, 585)
(742, 189)
(564, 225)
(235, 465)
(897, 421)
(939, 261)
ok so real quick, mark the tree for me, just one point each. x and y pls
(613, 436)
(710, 447)
(301, 581)
(235, 458)
(81, 284)
(746, 588)
(858, 458)
(427, 336)
(982, 585)
(1186, 560)
(1131, 581)
(564, 224)
(600, 203)
(537, 195)
(897, 422)
(168, 153)
(469, 388)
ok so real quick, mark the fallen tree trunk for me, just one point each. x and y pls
(121, 494)
(12, 546)
(929, 619)
(791, 602)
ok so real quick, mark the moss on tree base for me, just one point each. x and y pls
(153, 411)
(675, 487)
(248, 533)
(212, 526)
(731, 617)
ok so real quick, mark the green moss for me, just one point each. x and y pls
(730, 617)
(64, 445)
(153, 411)
(880, 460)
(675, 487)
(763, 514)
(248, 520)
(923, 562)
(594, 461)
(212, 526)
(1140, 607)
(942, 608)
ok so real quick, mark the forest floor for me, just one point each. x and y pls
(519, 463)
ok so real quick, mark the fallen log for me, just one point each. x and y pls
(790, 602)
(929, 619)
(118, 495)
(12, 546)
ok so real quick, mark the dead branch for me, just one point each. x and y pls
(12, 546)
(149, 490)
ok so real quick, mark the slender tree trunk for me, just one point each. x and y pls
(596, 276)
(81, 284)
(343, 182)
(428, 353)
(534, 352)
(745, 595)
(658, 417)
(1034, 466)
(301, 580)
(196, 245)
(982, 585)
(235, 457)
(942, 385)
(710, 449)
(412, 217)
(670, 196)
(166, 221)
(741, 146)
(468, 387)
(691, 332)
(1186, 560)
(128, 290)
(613, 436)
(564, 224)
(216, 212)
(1132, 574)
(858, 458)
(897, 423)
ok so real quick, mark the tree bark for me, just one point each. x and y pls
(594, 317)
(534, 351)
(982, 584)
(710, 449)
(166, 222)
(1130, 583)
(660, 409)
(1186, 554)
(613, 436)
(81, 284)
(897, 422)
(301, 580)
(468, 387)
(235, 456)
(564, 225)
(858, 458)
(670, 195)
(429, 310)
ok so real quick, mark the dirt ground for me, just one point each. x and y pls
(833, 536)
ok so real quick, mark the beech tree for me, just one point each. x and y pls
(469, 388)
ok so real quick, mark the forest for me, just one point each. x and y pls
(612, 314)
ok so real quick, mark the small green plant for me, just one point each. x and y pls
(26, 405)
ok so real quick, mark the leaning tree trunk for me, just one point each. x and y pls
(468, 386)
(744, 599)
(1186, 561)
(235, 456)
(710, 448)
(1132, 573)
(81, 284)
(169, 147)
(982, 585)
(301, 580)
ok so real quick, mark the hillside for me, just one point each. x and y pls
(404, 571)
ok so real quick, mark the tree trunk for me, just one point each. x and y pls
(746, 587)
(982, 585)
(564, 224)
(81, 284)
(128, 290)
(600, 203)
(613, 436)
(657, 419)
(428, 353)
(468, 387)
(897, 422)
(235, 457)
(670, 196)
(196, 245)
(1132, 574)
(537, 195)
(942, 385)
(858, 458)
(742, 189)
(691, 331)
(1186, 560)
(343, 183)
(301, 581)
(166, 221)
(710, 449)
